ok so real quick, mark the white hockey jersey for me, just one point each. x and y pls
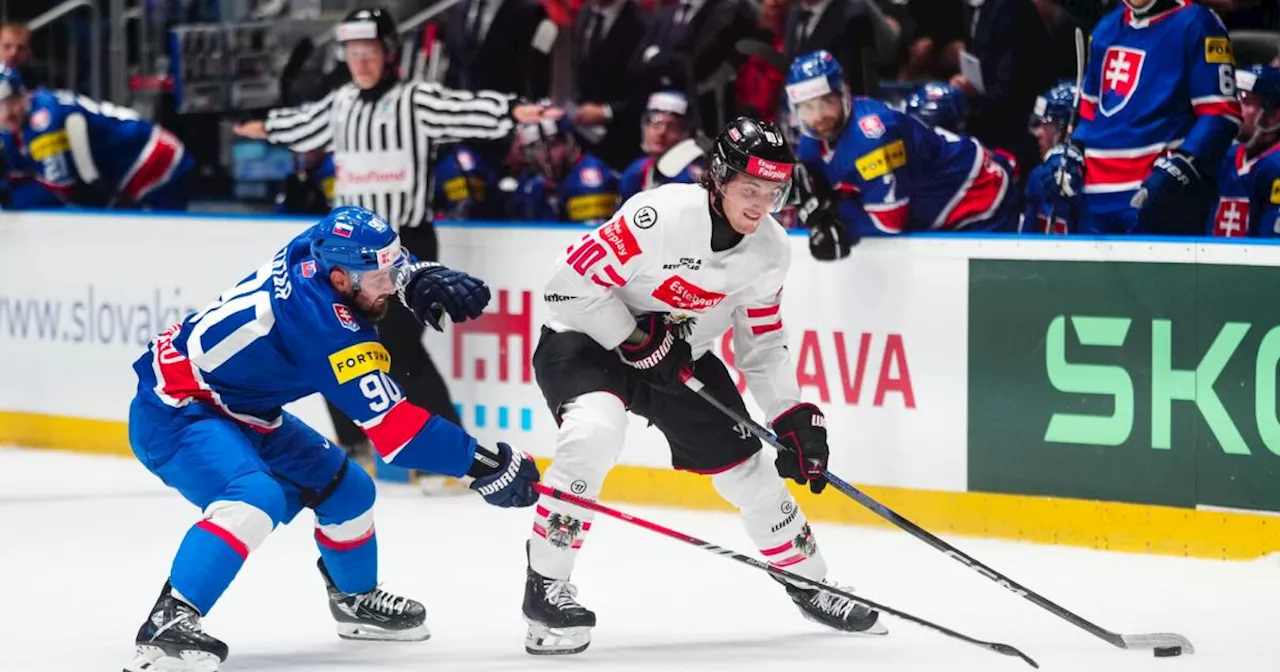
(655, 255)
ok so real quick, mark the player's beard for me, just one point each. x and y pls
(372, 310)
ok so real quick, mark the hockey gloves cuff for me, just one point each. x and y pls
(512, 484)
(1063, 177)
(430, 290)
(829, 238)
(803, 430)
(663, 359)
(1170, 177)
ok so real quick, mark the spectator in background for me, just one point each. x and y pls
(606, 36)
(558, 181)
(929, 29)
(665, 124)
(843, 29)
(759, 82)
(1011, 44)
(692, 47)
(15, 52)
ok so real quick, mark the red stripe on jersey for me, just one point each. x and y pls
(983, 195)
(1088, 109)
(892, 219)
(613, 275)
(1226, 108)
(343, 545)
(225, 535)
(757, 330)
(764, 312)
(153, 167)
(397, 427)
(1117, 170)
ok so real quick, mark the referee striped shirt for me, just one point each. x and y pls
(381, 148)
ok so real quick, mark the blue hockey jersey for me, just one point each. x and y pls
(127, 159)
(465, 187)
(1151, 85)
(891, 174)
(588, 194)
(1038, 208)
(1248, 195)
(19, 188)
(284, 333)
(643, 175)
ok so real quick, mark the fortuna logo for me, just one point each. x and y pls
(768, 170)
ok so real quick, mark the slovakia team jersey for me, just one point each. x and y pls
(133, 157)
(589, 193)
(284, 333)
(1155, 84)
(1038, 208)
(643, 175)
(465, 187)
(898, 175)
(655, 255)
(19, 189)
(1248, 195)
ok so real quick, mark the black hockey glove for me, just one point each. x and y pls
(829, 238)
(1166, 191)
(663, 359)
(803, 430)
(430, 290)
(511, 476)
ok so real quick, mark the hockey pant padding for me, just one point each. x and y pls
(771, 516)
(592, 431)
(214, 549)
(345, 532)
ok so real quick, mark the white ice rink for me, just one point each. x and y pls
(86, 542)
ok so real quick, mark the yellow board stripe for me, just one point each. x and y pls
(1103, 525)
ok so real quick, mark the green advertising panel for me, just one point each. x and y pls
(1150, 383)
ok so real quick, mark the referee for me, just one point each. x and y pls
(381, 132)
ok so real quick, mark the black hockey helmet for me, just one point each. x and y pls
(371, 24)
(755, 148)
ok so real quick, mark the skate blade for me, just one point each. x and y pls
(877, 629)
(367, 632)
(544, 641)
(154, 659)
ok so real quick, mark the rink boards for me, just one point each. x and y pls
(1013, 388)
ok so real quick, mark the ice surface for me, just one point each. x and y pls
(86, 542)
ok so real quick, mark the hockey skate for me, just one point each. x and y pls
(836, 611)
(558, 625)
(376, 615)
(172, 640)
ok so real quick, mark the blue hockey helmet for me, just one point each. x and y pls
(357, 240)
(812, 76)
(10, 82)
(1054, 105)
(1262, 81)
(938, 105)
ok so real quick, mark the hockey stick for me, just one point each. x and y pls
(1146, 641)
(1003, 649)
(1065, 131)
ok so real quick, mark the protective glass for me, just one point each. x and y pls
(746, 190)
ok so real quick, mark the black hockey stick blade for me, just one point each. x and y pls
(1146, 641)
(749, 46)
(592, 505)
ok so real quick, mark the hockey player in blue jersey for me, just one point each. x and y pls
(465, 186)
(94, 153)
(1157, 113)
(937, 105)
(19, 188)
(1049, 119)
(560, 181)
(207, 420)
(876, 171)
(1249, 178)
(665, 123)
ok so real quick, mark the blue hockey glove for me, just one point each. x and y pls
(430, 290)
(1063, 177)
(512, 482)
(1170, 176)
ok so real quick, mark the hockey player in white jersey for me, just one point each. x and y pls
(681, 263)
